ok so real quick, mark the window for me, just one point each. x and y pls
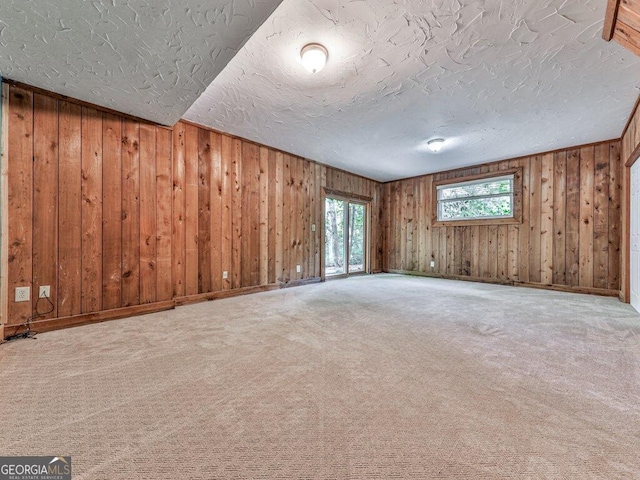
(480, 199)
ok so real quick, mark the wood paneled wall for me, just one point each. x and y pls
(569, 235)
(248, 210)
(630, 154)
(115, 213)
(89, 207)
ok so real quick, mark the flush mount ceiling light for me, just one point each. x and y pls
(314, 57)
(436, 144)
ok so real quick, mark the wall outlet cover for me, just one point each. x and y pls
(45, 291)
(298, 268)
(313, 227)
(433, 264)
(23, 294)
(225, 274)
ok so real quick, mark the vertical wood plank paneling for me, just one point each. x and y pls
(572, 225)
(45, 200)
(287, 235)
(217, 199)
(601, 217)
(91, 210)
(264, 215)
(586, 216)
(546, 219)
(70, 216)
(163, 214)
(279, 254)
(535, 205)
(204, 211)
(306, 224)
(615, 216)
(130, 213)
(236, 215)
(271, 185)
(4, 208)
(191, 210)
(178, 236)
(545, 248)
(525, 226)
(20, 195)
(148, 226)
(112, 211)
(227, 195)
(255, 217)
(559, 214)
(313, 219)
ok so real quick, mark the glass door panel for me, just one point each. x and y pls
(356, 237)
(334, 246)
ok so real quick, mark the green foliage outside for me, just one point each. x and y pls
(335, 211)
(459, 202)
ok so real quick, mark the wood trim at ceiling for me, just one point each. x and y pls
(82, 103)
(627, 37)
(512, 283)
(493, 162)
(630, 119)
(610, 19)
(205, 127)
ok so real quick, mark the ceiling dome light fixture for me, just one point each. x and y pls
(314, 57)
(436, 144)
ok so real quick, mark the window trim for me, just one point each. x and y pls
(516, 218)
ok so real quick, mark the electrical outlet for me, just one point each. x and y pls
(225, 274)
(433, 264)
(298, 268)
(23, 294)
(313, 227)
(45, 291)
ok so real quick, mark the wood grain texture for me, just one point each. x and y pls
(70, 202)
(569, 204)
(163, 214)
(101, 185)
(4, 209)
(45, 199)
(191, 210)
(112, 212)
(629, 153)
(91, 210)
(610, 17)
(130, 213)
(20, 198)
(178, 239)
(148, 216)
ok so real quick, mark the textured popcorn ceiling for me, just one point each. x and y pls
(147, 58)
(497, 79)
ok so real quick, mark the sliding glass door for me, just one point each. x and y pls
(345, 237)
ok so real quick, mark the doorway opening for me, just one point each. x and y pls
(345, 251)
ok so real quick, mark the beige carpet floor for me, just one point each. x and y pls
(366, 378)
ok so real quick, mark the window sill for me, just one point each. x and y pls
(482, 221)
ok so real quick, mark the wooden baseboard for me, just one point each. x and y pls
(463, 278)
(603, 292)
(48, 325)
(496, 281)
(300, 283)
(207, 297)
